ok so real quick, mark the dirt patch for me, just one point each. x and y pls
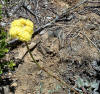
(70, 49)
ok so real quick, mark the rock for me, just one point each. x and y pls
(10, 74)
(3, 24)
(90, 26)
(14, 84)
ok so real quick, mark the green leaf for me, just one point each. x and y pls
(11, 64)
(6, 0)
(5, 50)
(0, 70)
(0, 17)
(0, 6)
(1, 53)
(1, 56)
(2, 44)
(3, 33)
(0, 12)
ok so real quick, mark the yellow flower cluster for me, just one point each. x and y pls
(21, 29)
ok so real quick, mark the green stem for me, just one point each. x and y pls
(49, 73)
(32, 56)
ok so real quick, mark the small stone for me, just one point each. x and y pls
(3, 24)
(14, 84)
(10, 14)
(10, 74)
(49, 18)
(90, 26)
(29, 7)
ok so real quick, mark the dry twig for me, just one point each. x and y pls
(91, 42)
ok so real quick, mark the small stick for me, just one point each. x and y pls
(91, 42)
(94, 2)
(30, 11)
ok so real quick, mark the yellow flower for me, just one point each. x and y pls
(21, 29)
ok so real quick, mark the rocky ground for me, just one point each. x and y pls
(70, 48)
